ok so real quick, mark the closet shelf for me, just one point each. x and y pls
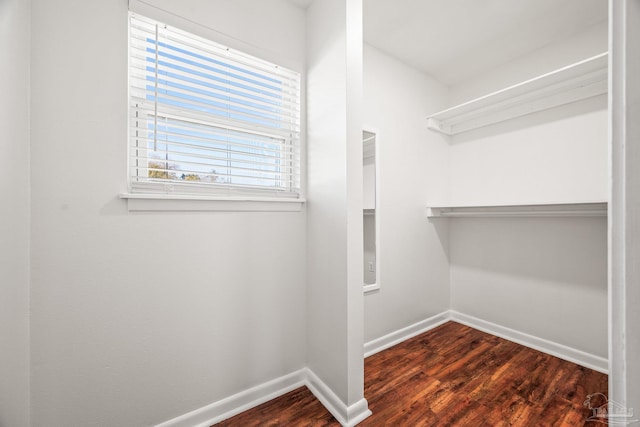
(537, 210)
(578, 81)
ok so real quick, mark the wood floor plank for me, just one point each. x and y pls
(452, 375)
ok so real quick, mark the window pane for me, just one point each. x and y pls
(208, 117)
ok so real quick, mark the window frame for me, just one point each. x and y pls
(177, 195)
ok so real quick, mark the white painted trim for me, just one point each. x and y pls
(564, 352)
(198, 203)
(172, 15)
(577, 81)
(326, 396)
(376, 132)
(346, 416)
(396, 337)
(358, 412)
(250, 398)
(582, 358)
(349, 416)
(624, 245)
(239, 402)
(571, 209)
(371, 288)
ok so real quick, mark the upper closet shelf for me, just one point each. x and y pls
(554, 209)
(578, 81)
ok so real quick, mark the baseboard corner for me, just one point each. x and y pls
(382, 343)
(561, 351)
(347, 416)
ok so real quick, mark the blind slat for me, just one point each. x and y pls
(192, 101)
(185, 148)
(184, 69)
(245, 63)
(144, 110)
(185, 132)
(207, 119)
(178, 164)
(206, 188)
(216, 88)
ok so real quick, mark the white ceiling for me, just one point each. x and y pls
(453, 40)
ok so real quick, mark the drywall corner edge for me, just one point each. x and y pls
(347, 416)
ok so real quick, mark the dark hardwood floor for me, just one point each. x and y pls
(452, 375)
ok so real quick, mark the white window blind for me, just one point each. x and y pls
(205, 119)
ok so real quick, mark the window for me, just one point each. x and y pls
(208, 120)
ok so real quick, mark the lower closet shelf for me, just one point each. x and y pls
(532, 210)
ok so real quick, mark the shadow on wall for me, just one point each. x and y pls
(441, 226)
(586, 106)
(570, 250)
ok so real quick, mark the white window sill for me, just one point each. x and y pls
(188, 203)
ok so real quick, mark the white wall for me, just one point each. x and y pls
(557, 155)
(624, 218)
(541, 276)
(413, 164)
(544, 277)
(14, 213)
(327, 195)
(139, 318)
(587, 43)
(334, 221)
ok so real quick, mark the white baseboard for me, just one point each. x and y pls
(239, 402)
(582, 358)
(396, 337)
(347, 416)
